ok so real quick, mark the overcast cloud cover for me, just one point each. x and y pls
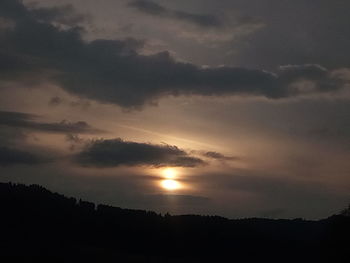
(248, 100)
(113, 71)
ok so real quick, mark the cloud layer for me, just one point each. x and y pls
(26, 121)
(152, 8)
(116, 152)
(11, 156)
(220, 156)
(112, 71)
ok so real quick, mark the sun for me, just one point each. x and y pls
(170, 185)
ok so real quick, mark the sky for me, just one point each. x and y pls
(232, 108)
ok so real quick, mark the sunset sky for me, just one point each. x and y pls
(238, 108)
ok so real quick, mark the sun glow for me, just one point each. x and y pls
(169, 173)
(170, 185)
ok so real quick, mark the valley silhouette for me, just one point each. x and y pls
(41, 226)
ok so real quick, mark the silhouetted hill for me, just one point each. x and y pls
(41, 226)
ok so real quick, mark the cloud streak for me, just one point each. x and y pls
(220, 156)
(26, 121)
(154, 9)
(116, 152)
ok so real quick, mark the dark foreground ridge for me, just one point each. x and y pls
(41, 226)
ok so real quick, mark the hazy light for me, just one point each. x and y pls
(170, 185)
(170, 173)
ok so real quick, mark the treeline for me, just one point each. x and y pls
(41, 226)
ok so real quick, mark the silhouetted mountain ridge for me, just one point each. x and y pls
(41, 226)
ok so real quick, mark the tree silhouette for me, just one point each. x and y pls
(346, 212)
(41, 226)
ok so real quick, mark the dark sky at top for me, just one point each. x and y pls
(246, 102)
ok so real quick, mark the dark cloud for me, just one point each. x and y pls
(315, 77)
(155, 9)
(112, 71)
(55, 101)
(149, 7)
(75, 141)
(11, 156)
(319, 33)
(26, 121)
(116, 152)
(219, 156)
(11, 136)
(63, 15)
